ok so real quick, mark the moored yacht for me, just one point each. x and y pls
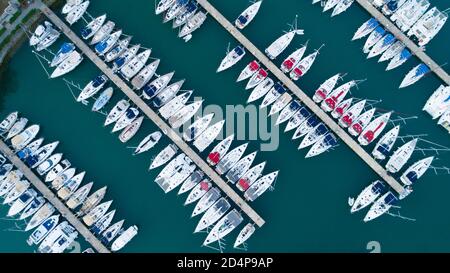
(184, 114)
(416, 170)
(167, 93)
(428, 26)
(77, 12)
(368, 195)
(392, 51)
(336, 96)
(260, 186)
(92, 87)
(219, 150)
(303, 66)
(280, 44)
(373, 38)
(341, 108)
(298, 118)
(164, 156)
(260, 90)
(414, 75)
(256, 78)
(92, 27)
(399, 59)
(118, 49)
(399, 158)
(148, 142)
(381, 206)
(69, 64)
(438, 102)
(198, 191)
(288, 111)
(208, 136)
(232, 58)
(152, 89)
(323, 145)
(206, 201)
(247, 15)
(130, 69)
(250, 176)
(124, 238)
(102, 32)
(366, 28)
(115, 113)
(381, 46)
(213, 214)
(240, 168)
(248, 71)
(293, 59)
(126, 119)
(228, 161)
(361, 122)
(102, 99)
(192, 24)
(170, 108)
(225, 225)
(144, 76)
(325, 88)
(62, 54)
(385, 144)
(352, 114)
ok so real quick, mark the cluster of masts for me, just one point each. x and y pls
(49, 234)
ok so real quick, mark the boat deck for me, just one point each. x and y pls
(53, 199)
(415, 50)
(236, 198)
(264, 60)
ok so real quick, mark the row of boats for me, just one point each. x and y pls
(185, 15)
(338, 6)
(51, 235)
(438, 106)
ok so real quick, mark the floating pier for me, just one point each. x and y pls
(53, 199)
(392, 28)
(236, 198)
(301, 95)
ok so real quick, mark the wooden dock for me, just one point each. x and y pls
(392, 28)
(53, 199)
(236, 198)
(301, 95)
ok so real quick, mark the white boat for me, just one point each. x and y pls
(32, 208)
(103, 222)
(43, 230)
(325, 88)
(148, 142)
(184, 114)
(105, 45)
(58, 239)
(79, 196)
(444, 120)
(399, 158)
(352, 114)
(244, 235)
(428, 26)
(69, 64)
(198, 191)
(118, 49)
(152, 89)
(131, 129)
(172, 167)
(124, 238)
(341, 7)
(197, 127)
(144, 76)
(62, 178)
(381, 46)
(39, 33)
(125, 57)
(116, 112)
(16, 128)
(110, 233)
(330, 4)
(260, 186)
(409, 13)
(298, 118)
(103, 99)
(293, 59)
(248, 71)
(92, 87)
(365, 29)
(247, 15)
(374, 129)
(130, 69)
(30, 149)
(414, 75)
(361, 122)
(70, 186)
(225, 225)
(274, 93)
(231, 58)
(307, 126)
(192, 24)
(191, 181)
(392, 6)
(416, 170)
(314, 135)
(92, 27)
(18, 189)
(280, 103)
(240, 168)
(174, 105)
(126, 119)
(213, 214)
(324, 144)
(303, 66)
(373, 38)
(103, 32)
(381, 206)
(228, 161)
(438, 102)
(77, 12)
(8, 122)
(96, 213)
(260, 90)
(399, 59)
(385, 144)
(206, 201)
(50, 38)
(368, 195)
(256, 78)
(92, 201)
(220, 150)
(62, 54)
(8, 181)
(187, 12)
(48, 164)
(24, 200)
(41, 154)
(184, 171)
(167, 93)
(208, 136)
(250, 176)
(174, 10)
(163, 5)
(392, 51)
(288, 111)
(280, 44)
(341, 108)
(164, 156)
(336, 96)
(24, 138)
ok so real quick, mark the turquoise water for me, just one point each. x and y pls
(308, 210)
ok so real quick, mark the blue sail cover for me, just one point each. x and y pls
(421, 70)
(389, 39)
(392, 5)
(390, 198)
(239, 50)
(294, 105)
(322, 129)
(373, 22)
(380, 30)
(378, 187)
(304, 112)
(313, 121)
(99, 80)
(330, 140)
(242, 19)
(66, 48)
(412, 176)
(279, 88)
(405, 54)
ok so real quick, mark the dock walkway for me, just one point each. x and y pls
(53, 199)
(261, 57)
(392, 28)
(142, 105)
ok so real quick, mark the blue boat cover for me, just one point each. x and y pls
(390, 198)
(405, 54)
(412, 176)
(422, 69)
(239, 50)
(378, 187)
(242, 19)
